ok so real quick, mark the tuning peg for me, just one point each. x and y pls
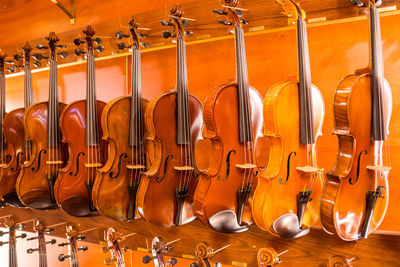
(11, 69)
(31, 250)
(37, 64)
(39, 46)
(51, 242)
(48, 231)
(218, 264)
(39, 56)
(172, 262)
(3, 233)
(21, 226)
(145, 45)
(225, 22)
(97, 40)
(185, 23)
(146, 259)
(63, 54)
(357, 3)
(78, 52)
(167, 249)
(31, 238)
(122, 46)
(61, 46)
(99, 48)
(141, 35)
(164, 22)
(108, 261)
(22, 236)
(105, 249)
(63, 244)
(119, 35)
(83, 248)
(188, 33)
(17, 57)
(167, 34)
(9, 62)
(194, 264)
(220, 12)
(80, 237)
(245, 22)
(78, 42)
(62, 257)
(3, 243)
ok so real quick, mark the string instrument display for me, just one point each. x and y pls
(116, 185)
(79, 124)
(158, 249)
(73, 236)
(35, 183)
(41, 230)
(12, 240)
(222, 196)
(286, 200)
(356, 194)
(203, 252)
(14, 134)
(113, 238)
(174, 123)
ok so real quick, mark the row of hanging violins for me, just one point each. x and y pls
(144, 165)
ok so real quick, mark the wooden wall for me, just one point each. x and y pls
(336, 50)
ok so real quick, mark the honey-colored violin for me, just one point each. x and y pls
(79, 124)
(116, 185)
(233, 122)
(35, 183)
(286, 200)
(174, 122)
(12, 136)
(356, 194)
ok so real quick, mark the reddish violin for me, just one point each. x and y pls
(356, 194)
(79, 124)
(174, 122)
(14, 135)
(233, 122)
(116, 185)
(35, 183)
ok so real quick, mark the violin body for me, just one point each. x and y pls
(158, 185)
(111, 188)
(280, 183)
(218, 185)
(13, 130)
(70, 189)
(343, 203)
(32, 184)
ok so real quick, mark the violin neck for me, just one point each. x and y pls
(12, 252)
(28, 91)
(242, 77)
(91, 130)
(305, 89)
(42, 250)
(378, 132)
(53, 132)
(135, 127)
(73, 250)
(183, 122)
(2, 101)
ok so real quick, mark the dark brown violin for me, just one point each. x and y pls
(14, 135)
(35, 183)
(79, 124)
(174, 122)
(116, 185)
(233, 122)
(356, 194)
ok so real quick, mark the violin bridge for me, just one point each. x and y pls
(135, 167)
(55, 162)
(3, 165)
(93, 165)
(246, 166)
(308, 169)
(184, 168)
(379, 168)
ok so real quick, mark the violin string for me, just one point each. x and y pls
(2, 103)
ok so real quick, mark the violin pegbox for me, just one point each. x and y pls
(178, 22)
(134, 43)
(52, 40)
(158, 249)
(232, 14)
(12, 227)
(292, 10)
(41, 231)
(89, 40)
(113, 238)
(267, 257)
(73, 236)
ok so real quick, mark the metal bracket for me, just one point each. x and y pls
(71, 13)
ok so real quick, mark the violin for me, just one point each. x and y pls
(169, 182)
(35, 183)
(12, 240)
(158, 248)
(203, 252)
(117, 182)
(14, 135)
(113, 238)
(73, 236)
(282, 200)
(356, 194)
(41, 230)
(79, 124)
(222, 197)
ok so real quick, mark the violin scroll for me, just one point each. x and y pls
(267, 257)
(292, 10)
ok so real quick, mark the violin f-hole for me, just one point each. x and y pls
(77, 164)
(111, 174)
(351, 181)
(287, 169)
(158, 179)
(39, 160)
(228, 164)
(19, 155)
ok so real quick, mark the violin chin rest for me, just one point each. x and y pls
(226, 221)
(287, 225)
